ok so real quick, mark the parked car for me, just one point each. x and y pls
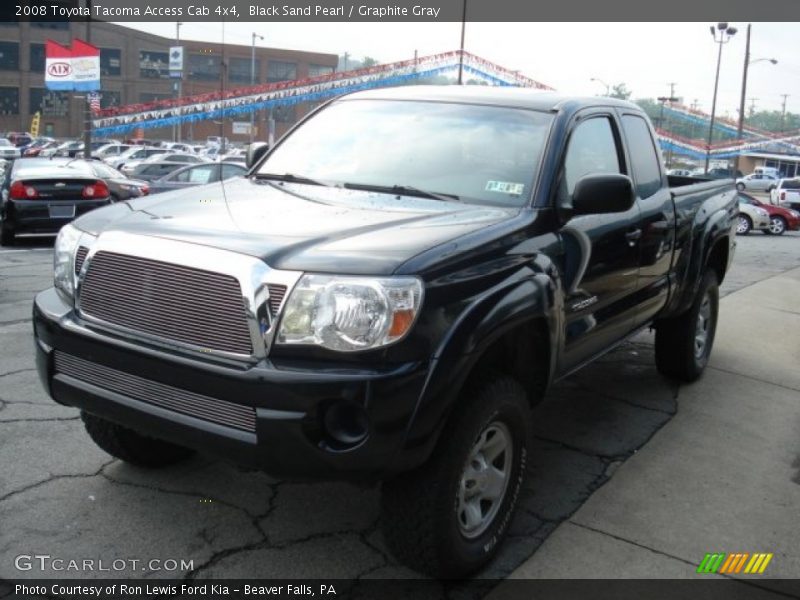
(134, 154)
(37, 145)
(780, 219)
(50, 149)
(173, 157)
(756, 182)
(680, 172)
(41, 197)
(385, 298)
(751, 217)
(20, 140)
(722, 173)
(787, 193)
(237, 159)
(69, 149)
(110, 150)
(8, 150)
(179, 147)
(150, 171)
(120, 187)
(196, 175)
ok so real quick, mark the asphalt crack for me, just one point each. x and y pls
(52, 478)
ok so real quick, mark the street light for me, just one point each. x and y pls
(253, 81)
(747, 63)
(725, 34)
(600, 81)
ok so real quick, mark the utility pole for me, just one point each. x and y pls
(740, 126)
(346, 56)
(752, 107)
(725, 35)
(461, 53)
(177, 129)
(783, 111)
(223, 74)
(253, 82)
(87, 111)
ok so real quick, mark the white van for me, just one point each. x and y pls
(771, 171)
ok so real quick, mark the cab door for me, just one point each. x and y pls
(601, 251)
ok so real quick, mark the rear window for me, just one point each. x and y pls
(791, 184)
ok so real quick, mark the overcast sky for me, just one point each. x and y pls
(645, 56)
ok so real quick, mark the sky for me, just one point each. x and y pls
(647, 57)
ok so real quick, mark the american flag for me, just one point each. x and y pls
(94, 101)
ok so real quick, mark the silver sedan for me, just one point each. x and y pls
(756, 182)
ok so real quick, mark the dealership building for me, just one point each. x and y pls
(135, 69)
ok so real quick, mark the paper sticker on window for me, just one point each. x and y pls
(505, 187)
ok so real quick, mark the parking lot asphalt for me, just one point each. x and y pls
(627, 466)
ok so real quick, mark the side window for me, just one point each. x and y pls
(644, 160)
(229, 171)
(592, 149)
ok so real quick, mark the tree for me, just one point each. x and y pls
(620, 91)
(368, 61)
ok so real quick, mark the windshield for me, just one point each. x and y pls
(484, 154)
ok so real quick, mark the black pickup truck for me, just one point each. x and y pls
(385, 295)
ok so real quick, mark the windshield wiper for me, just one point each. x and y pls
(403, 190)
(292, 178)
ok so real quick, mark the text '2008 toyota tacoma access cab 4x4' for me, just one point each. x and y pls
(384, 297)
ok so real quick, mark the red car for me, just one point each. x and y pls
(780, 219)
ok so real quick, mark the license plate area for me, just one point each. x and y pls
(62, 212)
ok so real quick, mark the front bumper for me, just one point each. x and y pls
(292, 401)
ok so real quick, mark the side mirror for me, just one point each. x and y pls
(602, 193)
(254, 153)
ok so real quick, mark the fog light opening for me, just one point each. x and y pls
(346, 424)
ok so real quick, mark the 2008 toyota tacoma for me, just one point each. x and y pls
(384, 297)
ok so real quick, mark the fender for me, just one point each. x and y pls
(512, 303)
(717, 228)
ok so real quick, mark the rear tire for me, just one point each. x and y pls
(683, 343)
(448, 518)
(132, 447)
(7, 237)
(740, 187)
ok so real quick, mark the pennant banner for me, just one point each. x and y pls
(120, 120)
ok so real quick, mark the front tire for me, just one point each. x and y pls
(777, 226)
(130, 446)
(447, 518)
(683, 343)
(744, 225)
(740, 187)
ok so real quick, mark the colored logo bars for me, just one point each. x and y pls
(735, 563)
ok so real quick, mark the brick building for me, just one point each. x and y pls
(134, 69)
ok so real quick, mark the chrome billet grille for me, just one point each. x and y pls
(173, 302)
(166, 396)
(276, 294)
(80, 256)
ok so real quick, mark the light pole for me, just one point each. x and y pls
(461, 52)
(783, 111)
(725, 34)
(747, 63)
(601, 82)
(253, 81)
(177, 130)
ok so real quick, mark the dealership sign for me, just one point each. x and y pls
(176, 61)
(76, 68)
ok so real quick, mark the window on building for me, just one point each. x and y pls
(239, 71)
(153, 64)
(316, 70)
(64, 25)
(111, 62)
(145, 97)
(284, 114)
(278, 70)
(9, 101)
(645, 162)
(109, 99)
(49, 103)
(9, 56)
(37, 58)
(205, 67)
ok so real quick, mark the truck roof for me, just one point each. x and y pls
(515, 97)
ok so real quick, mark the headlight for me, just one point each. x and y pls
(762, 212)
(64, 259)
(350, 313)
(795, 214)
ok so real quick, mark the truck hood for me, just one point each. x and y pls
(299, 227)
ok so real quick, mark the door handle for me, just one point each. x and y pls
(633, 236)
